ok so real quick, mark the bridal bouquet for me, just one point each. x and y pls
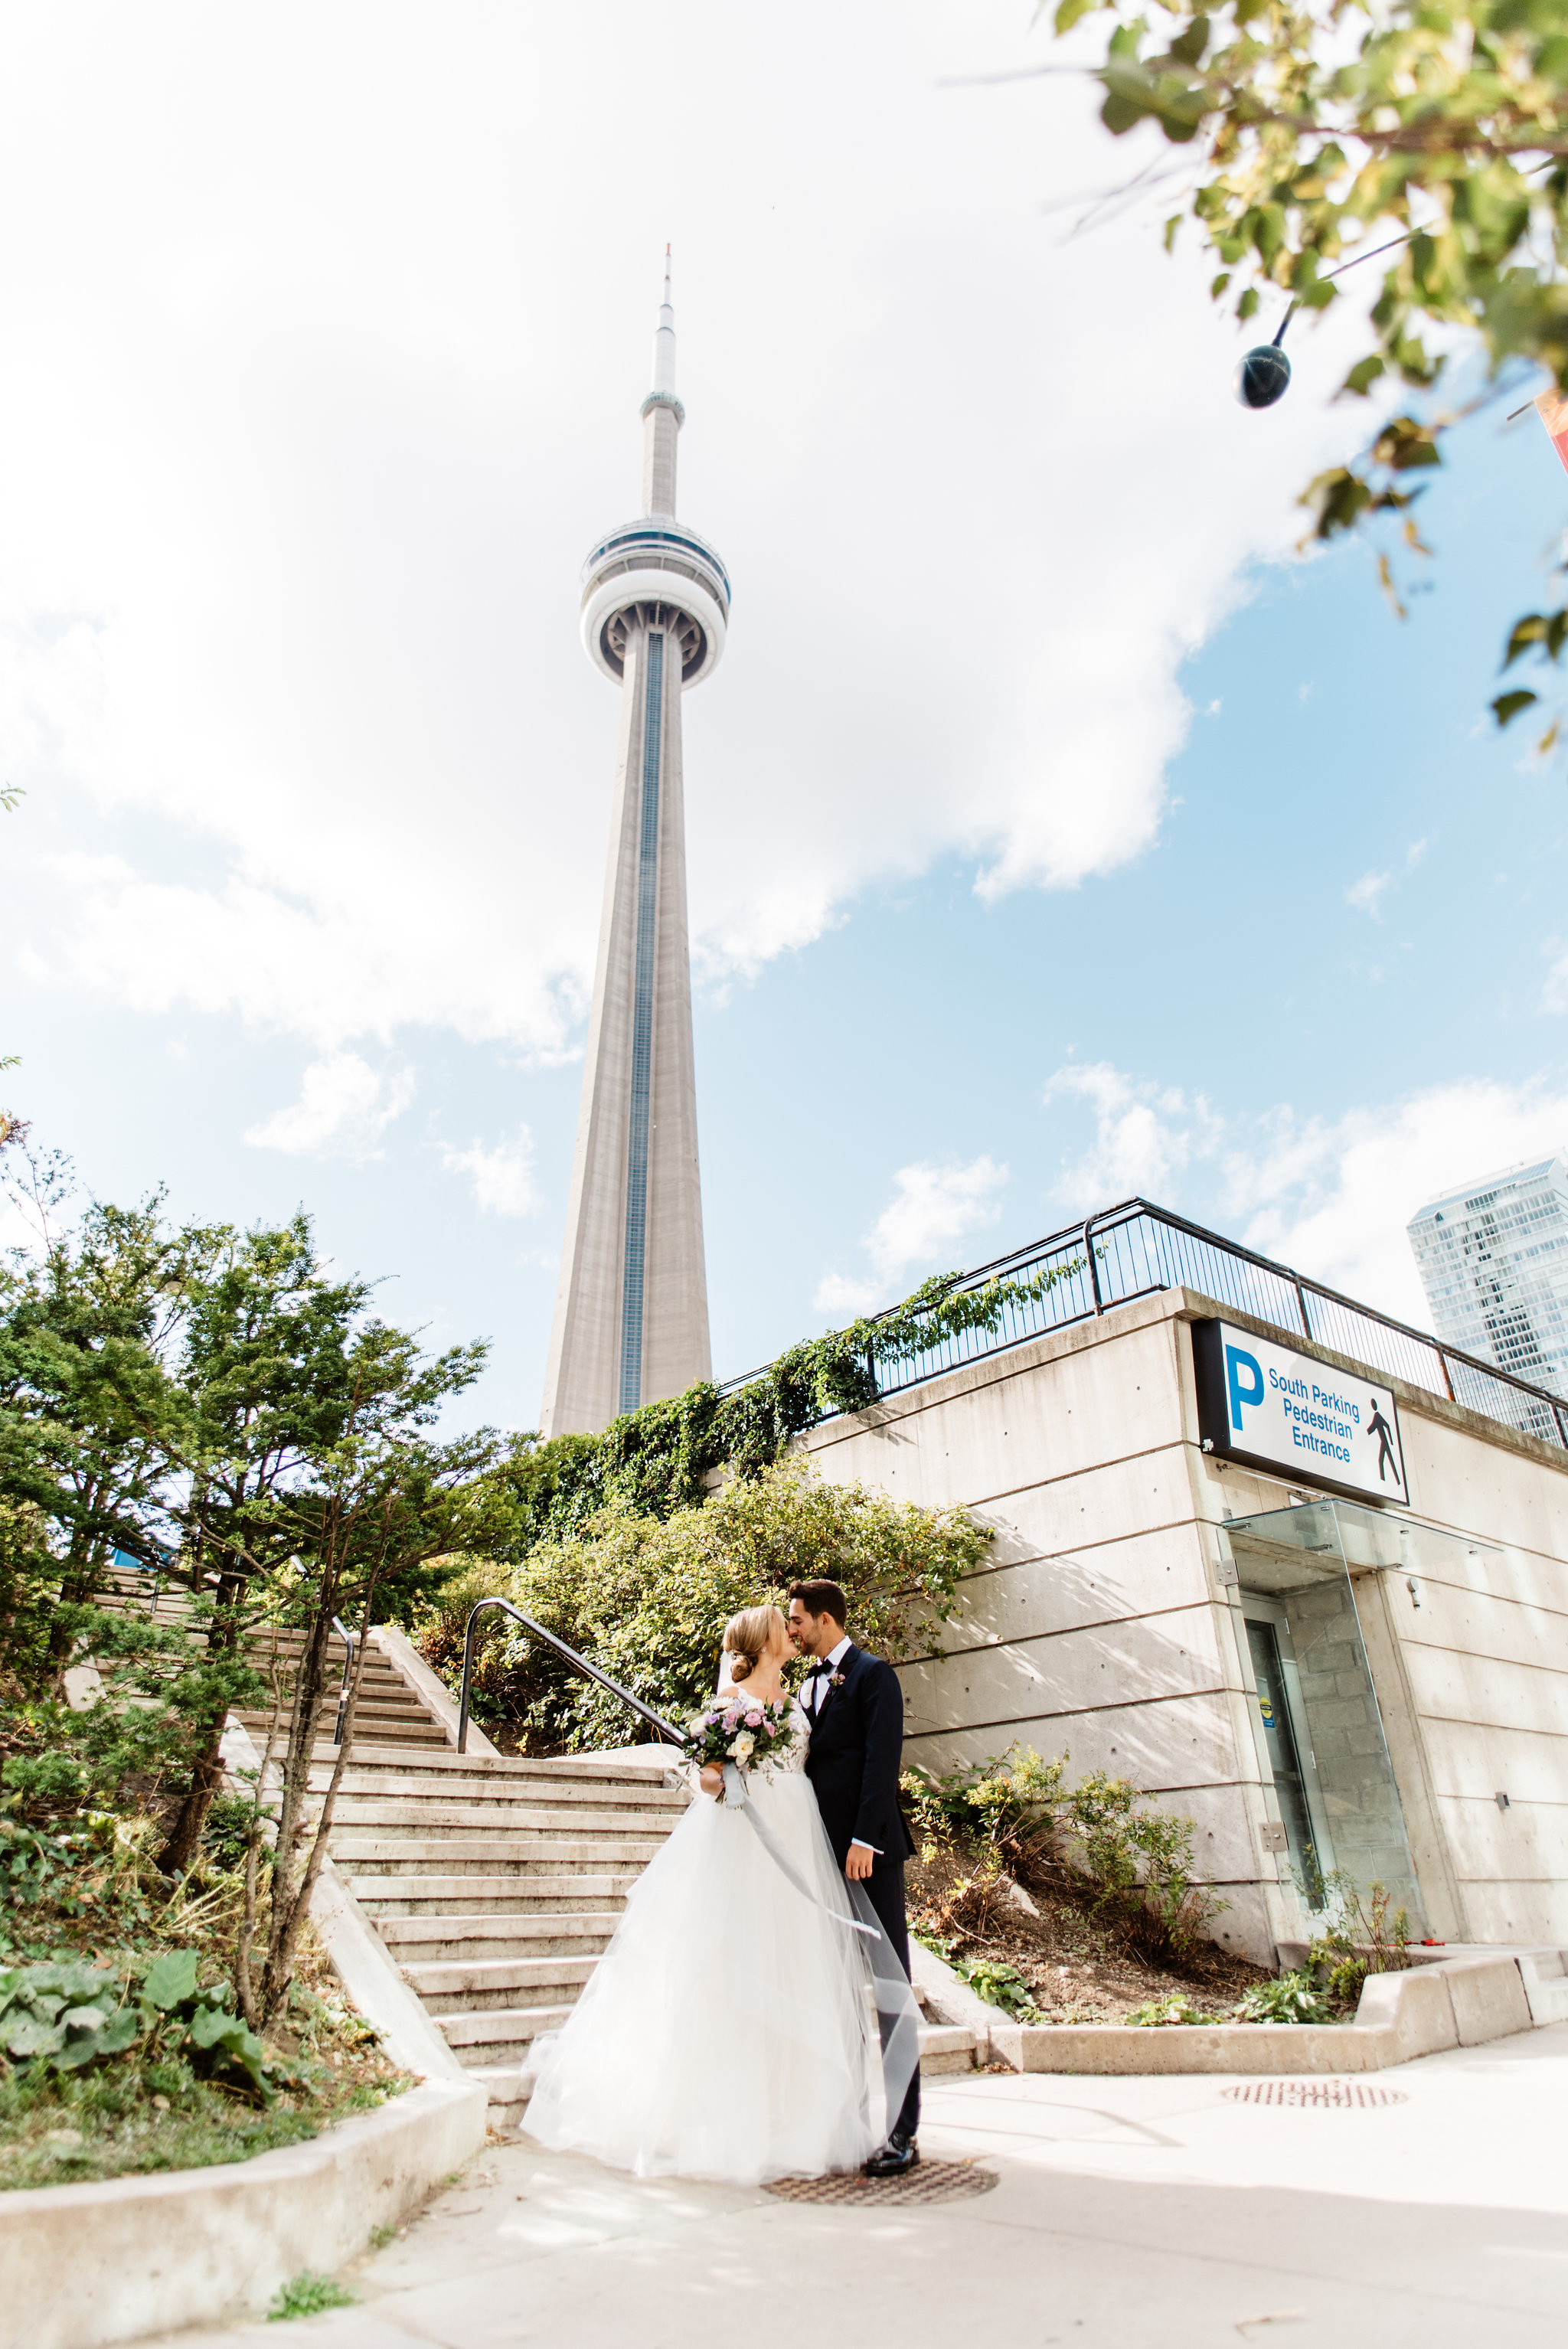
(734, 1727)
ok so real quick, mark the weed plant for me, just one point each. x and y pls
(307, 2295)
(1130, 1861)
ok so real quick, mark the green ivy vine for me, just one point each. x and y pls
(660, 1457)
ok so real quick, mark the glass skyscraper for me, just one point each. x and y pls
(1493, 1259)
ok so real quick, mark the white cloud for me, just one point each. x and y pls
(1554, 994)
(1366, 893)
(502, 1177)
(343, 1107)
(314, 448)
(931, 1210)
(1331, 1197)
(1145, 1134)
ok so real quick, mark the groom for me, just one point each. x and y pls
(856, 1709)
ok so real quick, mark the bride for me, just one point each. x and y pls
(726, 2031)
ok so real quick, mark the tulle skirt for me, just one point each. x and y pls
(727, 2032)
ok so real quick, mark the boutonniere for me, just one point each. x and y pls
(835, 1680)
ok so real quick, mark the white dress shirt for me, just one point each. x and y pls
(815, 1697)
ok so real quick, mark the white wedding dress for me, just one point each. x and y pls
(727, 2032)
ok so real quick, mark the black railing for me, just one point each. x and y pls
(671, 1737)
(348, 1638)
(1135, 1249)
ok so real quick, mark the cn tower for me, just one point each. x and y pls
(631, 1308)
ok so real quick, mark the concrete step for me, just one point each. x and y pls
(508, 2095)
(491, 1855)
(364, 1813)
(418, 1939)
(490, 2037)
(948, 2047)
(371, 1782)
(492, 1896)
(509, 2082)
(396, 1734)
(479, 1986)
(493, 1768)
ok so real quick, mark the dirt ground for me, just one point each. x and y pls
(1076, 1969)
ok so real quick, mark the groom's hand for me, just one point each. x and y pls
(857, 1866)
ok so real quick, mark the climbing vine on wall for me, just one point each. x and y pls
(659, 1458)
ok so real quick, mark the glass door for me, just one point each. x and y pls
(1316, 1721)
(1281, 1718)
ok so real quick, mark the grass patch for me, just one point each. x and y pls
(118, 2123)
(306, 2294)
(166, 2092)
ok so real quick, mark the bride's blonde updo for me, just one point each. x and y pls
(745, 1636)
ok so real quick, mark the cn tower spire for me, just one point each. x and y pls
(664, 338)
(663, 414)
(631, 1306)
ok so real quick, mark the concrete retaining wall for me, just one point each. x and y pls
(1460, 2003)
(84, 2266)
(1101, 1621)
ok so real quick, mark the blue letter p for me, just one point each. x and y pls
(1236, 1361)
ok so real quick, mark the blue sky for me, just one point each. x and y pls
(1054, 832)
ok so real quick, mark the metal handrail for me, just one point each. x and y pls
(1100, 1227)
(568, 1655)
(348, 1638)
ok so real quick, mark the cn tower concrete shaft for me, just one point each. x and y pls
(631, 1310)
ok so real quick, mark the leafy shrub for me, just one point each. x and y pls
(1011, 1807)
(1134, 1859)
(999, 1984)
(60, 2018)
(1290, 1999)
(1177, 2008)
(647, 1598)
(1141, 1861)
(1367, 1939)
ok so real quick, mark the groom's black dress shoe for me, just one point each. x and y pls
(891, 2160)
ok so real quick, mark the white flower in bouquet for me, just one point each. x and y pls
(744, 1747)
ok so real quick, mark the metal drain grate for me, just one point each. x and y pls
(1322, 2093)
(929, 2181)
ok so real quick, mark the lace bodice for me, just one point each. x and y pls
(783, 1765)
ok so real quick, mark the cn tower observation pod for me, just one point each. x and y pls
(656, 571)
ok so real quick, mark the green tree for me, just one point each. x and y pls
(1320, 132)
(87, 1411)
(647, 1598)
(263, 1363)
(371, 1506)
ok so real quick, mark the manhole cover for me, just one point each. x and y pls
(1322, 2093)
(929, 2181)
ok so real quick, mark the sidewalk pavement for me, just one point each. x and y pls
(1130, 2211)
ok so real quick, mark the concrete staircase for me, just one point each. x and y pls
(495, 1884)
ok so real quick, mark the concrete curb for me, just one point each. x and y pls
(1457, 2002)
(84, 2266)
(368, 1972)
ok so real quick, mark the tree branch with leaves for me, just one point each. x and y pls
(1315, 130)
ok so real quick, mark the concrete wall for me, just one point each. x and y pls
(1104, 1623)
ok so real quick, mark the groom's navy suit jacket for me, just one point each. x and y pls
(852, 1763)
(857, 1747)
